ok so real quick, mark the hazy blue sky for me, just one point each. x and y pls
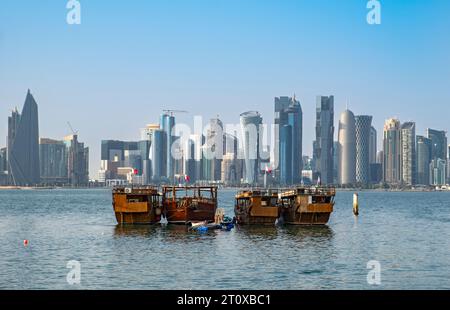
(128, 60)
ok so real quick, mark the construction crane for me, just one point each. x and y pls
(172, 112)
(71, 128)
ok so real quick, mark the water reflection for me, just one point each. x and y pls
(258, 232)
(135, 230)
(306, 232)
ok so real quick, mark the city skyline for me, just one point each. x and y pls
(84, 76)
(438, 148)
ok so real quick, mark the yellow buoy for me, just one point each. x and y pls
(355, 204)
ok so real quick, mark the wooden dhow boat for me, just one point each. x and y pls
(257, 207)
(307, 205)
(137, 205)
(293, 206)
(189, 204)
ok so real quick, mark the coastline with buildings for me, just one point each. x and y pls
(347, 158)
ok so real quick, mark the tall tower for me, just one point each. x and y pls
(323, 146)
(13, 126)
(167, 124)
(439, 143)
(288, 140)
(423, 160)
(408, 153)
(391, 151)
(24, 154)
(77, 161)
(157, 155)
(373, 147)
(347, 148)
(214, 150)
(250, 123)
(363, 123)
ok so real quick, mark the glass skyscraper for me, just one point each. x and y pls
(288, 140)
(439, 143)
(167, 124)
(24, 154)
(363, 124)
(53, 161)
(251, 126)
(157, 155)
(423, 160)
(323, 145)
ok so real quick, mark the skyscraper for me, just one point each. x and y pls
(438, 172)
(13, 126)
(77, 161)
(373, 147)
(391, 151)
(193, 158)
(439, 143)
(408, 153)
(363, 123)
(285, 155)
(214, 149)
(167, 124)
(3, 166)
(289, 137)
(323, 145)
(423, 160)
(251, 126)
(448, 165)
(157, 152)
(347, 148)
(24, 154)
(53, 161)
(3, 160)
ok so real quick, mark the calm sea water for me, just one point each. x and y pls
(408, 233)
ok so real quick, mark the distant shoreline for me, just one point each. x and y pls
(19, 188)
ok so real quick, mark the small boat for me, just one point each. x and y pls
(307, 205)
(189, 204)
(257, 207)
(137, 205)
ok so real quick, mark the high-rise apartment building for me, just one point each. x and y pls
(408, 153)
(392, 152)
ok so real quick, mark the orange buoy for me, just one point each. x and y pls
(25, 242)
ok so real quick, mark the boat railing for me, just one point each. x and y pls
(289, 191)
(142, 189)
